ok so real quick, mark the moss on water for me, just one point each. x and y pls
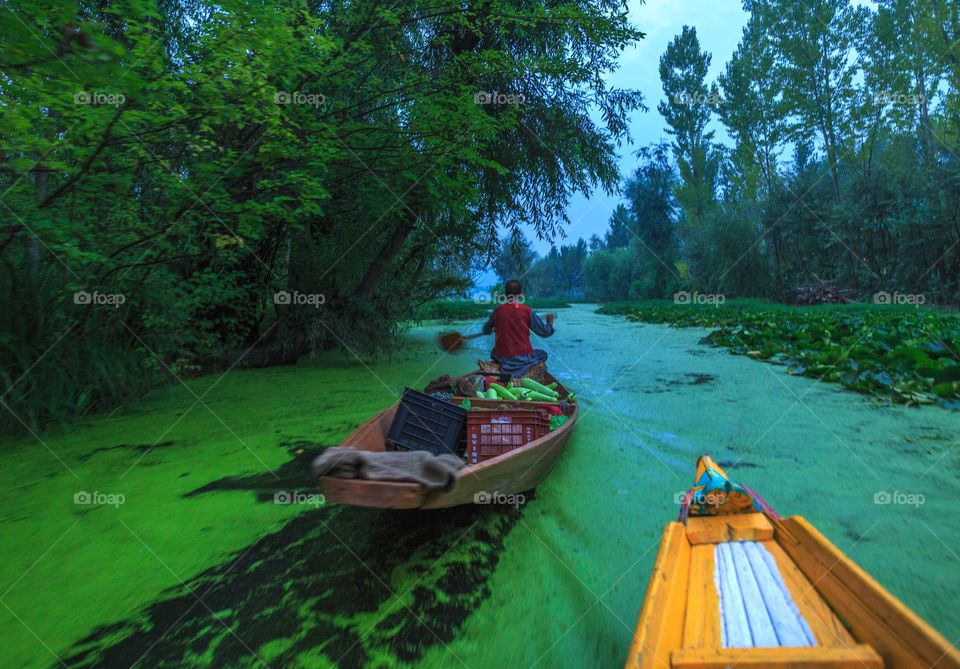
(557, 582)
(193, 464)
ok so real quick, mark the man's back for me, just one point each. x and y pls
(511, 322)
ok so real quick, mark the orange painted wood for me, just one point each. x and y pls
(514, 472)
(827, 628)
(660, 627)
(701, 628)
(736, 527)
(873, 615)
(857, 657)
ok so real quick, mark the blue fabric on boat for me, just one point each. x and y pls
(714, 493)
(518, 365)
(756, 607)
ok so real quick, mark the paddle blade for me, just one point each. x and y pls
(451, 342)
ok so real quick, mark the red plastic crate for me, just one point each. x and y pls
(493, 433)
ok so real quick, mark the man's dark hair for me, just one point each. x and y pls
(513, 287)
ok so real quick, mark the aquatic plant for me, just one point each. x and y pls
(909, 355)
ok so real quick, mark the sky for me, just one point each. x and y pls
(719, 24)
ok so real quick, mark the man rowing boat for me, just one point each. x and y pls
(512, 322)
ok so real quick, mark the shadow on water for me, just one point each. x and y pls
(334, 585)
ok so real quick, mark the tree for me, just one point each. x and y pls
(815, 43)
(619, 233)
(751, 107)
(687, 111)
(655, 243)
(202, 160)
(515, 259)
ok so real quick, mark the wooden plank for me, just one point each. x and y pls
(857, 657)
(873, 615)
(826, 627)
(371, 435)
(736, 527)
(701, 628)
(377, 494)
(660, 627)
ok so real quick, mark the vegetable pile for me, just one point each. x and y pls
(529, 391)
(910, 356)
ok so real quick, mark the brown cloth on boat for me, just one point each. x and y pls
(433, 472)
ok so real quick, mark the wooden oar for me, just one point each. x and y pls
(453, 341)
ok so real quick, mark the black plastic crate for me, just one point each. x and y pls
(424, 423)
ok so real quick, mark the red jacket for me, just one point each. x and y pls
(511, 321)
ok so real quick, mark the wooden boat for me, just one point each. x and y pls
(754, 590)
(513, 472)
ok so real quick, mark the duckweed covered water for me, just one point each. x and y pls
(199, 567)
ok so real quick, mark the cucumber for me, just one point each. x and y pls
(481, 395)
(492, 394)
(539, 388)
(502, 392)
(540, 397)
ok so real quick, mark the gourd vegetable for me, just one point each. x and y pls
(540, 388)
(502, 392)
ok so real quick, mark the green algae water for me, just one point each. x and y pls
(159, 536)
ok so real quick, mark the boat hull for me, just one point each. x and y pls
(517, 471)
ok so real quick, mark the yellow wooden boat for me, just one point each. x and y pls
(742, 587)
